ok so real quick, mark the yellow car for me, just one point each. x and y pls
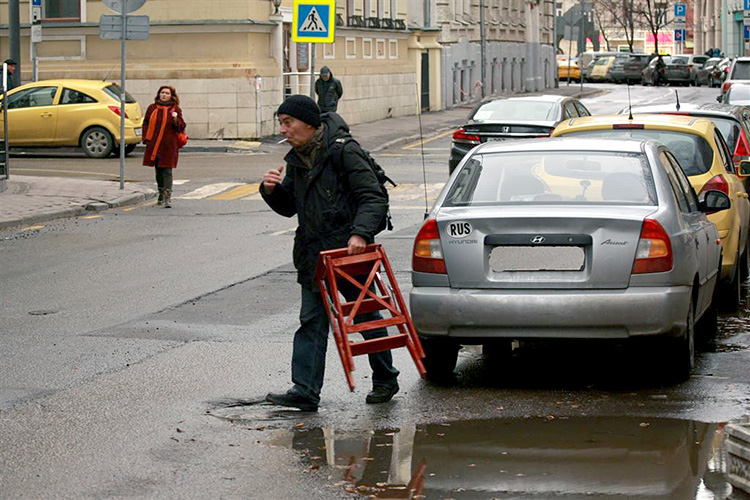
(82, 113)
(600, 70)
(704, 156)
(568, 69)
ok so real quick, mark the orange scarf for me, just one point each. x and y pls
(152, 127)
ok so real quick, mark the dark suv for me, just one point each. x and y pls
(628, 68)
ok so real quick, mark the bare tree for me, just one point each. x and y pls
(654, 14)
(620, 13)
(602, 20)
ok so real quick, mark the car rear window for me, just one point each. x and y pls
(679, 60)
(115, 91)
(741, 71)
(553, 177)
(692, 151)
(506, 109)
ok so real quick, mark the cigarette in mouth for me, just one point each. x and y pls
(282, 140)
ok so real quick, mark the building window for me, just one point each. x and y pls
(393, 49)
(380, 48)
(367, 48)
(351, 48)
(62, 9)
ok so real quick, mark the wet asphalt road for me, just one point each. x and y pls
(138, 347)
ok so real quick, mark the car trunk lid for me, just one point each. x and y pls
(541, 247)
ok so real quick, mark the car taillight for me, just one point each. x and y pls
(654, 252)
(725, 86)
(116, 111)
(428, 254)
(716, 183)
(460, 135)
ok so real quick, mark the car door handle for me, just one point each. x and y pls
(741, 194)
(46, 115)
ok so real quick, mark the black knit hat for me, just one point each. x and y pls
(302, 108)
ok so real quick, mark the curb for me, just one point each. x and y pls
(94, 206)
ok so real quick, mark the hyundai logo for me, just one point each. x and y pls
(537, 239)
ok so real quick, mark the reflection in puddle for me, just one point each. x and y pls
(734, 329)
(528, 458)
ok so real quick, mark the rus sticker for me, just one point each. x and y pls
(459, 229)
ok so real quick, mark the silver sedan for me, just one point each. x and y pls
(566, 238)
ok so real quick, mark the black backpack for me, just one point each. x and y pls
(337, 151)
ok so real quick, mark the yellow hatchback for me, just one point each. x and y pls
(80, 113)
(704, 156)
(568, 69)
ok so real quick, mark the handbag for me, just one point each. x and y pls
(182, 139)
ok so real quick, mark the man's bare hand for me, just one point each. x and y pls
(356, 244)
(272, 178)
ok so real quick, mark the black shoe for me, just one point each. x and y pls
(292, 400)
(381, 394)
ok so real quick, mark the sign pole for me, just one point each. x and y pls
(312, 71)
(122, 96)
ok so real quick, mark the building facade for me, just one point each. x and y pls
(232, 62)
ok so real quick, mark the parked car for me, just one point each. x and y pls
(628, 68)
(695, 61)
(676, 71)
(587, 60)
(500, 119)
(80, 113)
(732, 121)
(704, 155)
(565, 239)
(738, 72)
(705, 74)
(568, 69)
(600, 70)
(737, 95)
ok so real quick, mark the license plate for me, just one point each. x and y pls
(138, 132)
(508, 259)
(495, 139)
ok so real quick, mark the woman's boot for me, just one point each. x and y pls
(167, 198)
(160, 199)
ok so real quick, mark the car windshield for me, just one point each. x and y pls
(741, 70)
(114, 91)
(507, 109)
(679, 60)
(692, 151)
(553, 177)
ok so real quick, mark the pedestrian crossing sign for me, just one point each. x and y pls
(313, 21)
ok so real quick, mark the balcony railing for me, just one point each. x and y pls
(372, 22)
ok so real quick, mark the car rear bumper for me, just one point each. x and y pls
(588, 314)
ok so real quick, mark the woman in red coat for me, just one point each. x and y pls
(161, 124)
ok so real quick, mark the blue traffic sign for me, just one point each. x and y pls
(680, 9)
(747, 32)
(313, 21)
(680, 35)
(36, 3)
(747, 5)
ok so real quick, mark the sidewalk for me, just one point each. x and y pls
(29, 200)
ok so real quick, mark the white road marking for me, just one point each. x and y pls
(208, 190)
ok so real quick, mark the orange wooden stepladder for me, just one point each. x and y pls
(364, 272)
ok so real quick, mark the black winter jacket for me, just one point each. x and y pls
(328, 92)
(331, 202)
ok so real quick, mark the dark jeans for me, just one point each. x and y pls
(311, 341)
(164, 178)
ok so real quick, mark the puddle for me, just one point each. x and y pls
(257, 414)
(732, 333)
(624, 457)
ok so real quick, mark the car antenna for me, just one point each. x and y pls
(106, 77)
(677, 97)
(421, 145)
(630, 105)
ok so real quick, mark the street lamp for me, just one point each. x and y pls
(276, 5)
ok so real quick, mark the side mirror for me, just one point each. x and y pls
(744, 167)
(718, 98)
(714, 201)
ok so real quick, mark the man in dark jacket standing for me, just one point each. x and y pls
(11, 74)
(337, 206)
(328, 90)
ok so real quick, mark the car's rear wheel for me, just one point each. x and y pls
(97, 142)
(441, 356)
(680, 352)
